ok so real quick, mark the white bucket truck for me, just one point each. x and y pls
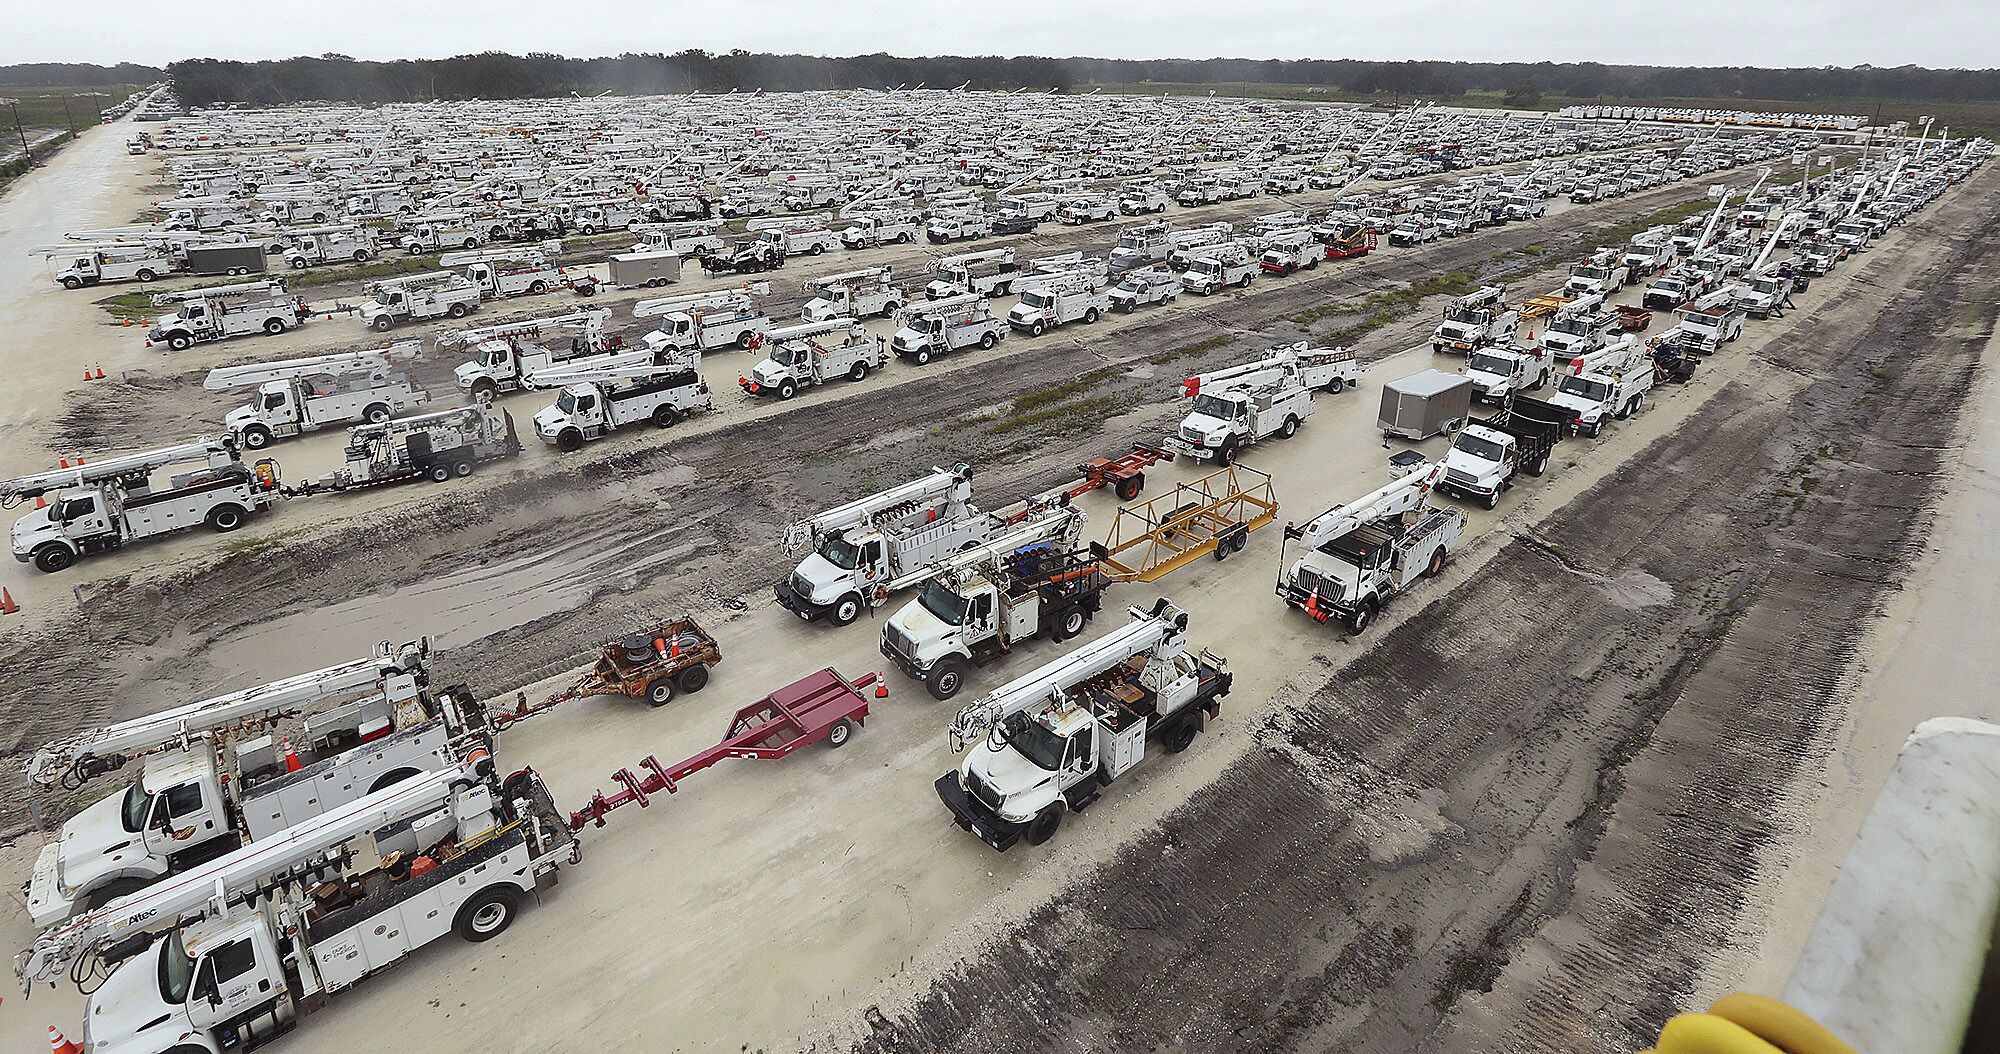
(705, 321)
(601, 396)
(812, 354)
(852, 294)
(1600, 385)
(936, 327)
(1352, 558)
(508, 354)
(295, 396)
(1219, 267)
(990, 272)
(1236, 407)
(412, 298)
(1048, 301)
(1479, 319)
(221, 312)
(83, 265)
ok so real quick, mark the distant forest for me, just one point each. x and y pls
(76, 74)
(495, 75)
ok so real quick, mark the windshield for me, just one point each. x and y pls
(839, 552)
(1206, 267)
(1034, 742)
(176, 970)
(566, 402)
(1478, 446)
(1851, 228)
(940, 600)
(1471, 315)
(132, 812)
(1575, 327)
(1764, 285)
(1669, 285)
(1131, 285)
(1035, 300)
(786, 356)
(1131, 241)
(1596, 391)
(1214, 406)
(1484, 363)
(1591, 272)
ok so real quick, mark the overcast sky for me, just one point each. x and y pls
(1666, 32)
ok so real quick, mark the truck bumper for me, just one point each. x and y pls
(970, 814)
(791, 601)
(1468, 491)
(1184, 448)
(46, 904)
(903, 662)
(751, 387)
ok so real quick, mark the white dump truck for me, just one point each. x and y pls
(295, 396)
(1029, 580)
(1485, 456)
(926, 330)
(1351, 559)
(852, 294)
(103, 505)
(599, 397)
(413, 298)
(1479, 319)
(212, 774)
(201, 316)
(813, 353)
(705, 321)
(1049, 741)
(1236, 407)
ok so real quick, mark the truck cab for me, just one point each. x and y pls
(218, 984)
(1499, 372)
(173, 814)
(1595, 397)
(1479, 463)
(1222, 423)
(1853, 236)
(1206, 275)
(1577, 333)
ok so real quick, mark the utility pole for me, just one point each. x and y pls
(15, 105)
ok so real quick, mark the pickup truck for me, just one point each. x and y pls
(1486, 455)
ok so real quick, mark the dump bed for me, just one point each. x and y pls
(1536, 425)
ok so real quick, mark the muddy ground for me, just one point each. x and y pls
(640, 533)
(1528, 818)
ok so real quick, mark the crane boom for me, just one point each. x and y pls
(1403, 495)
(1162, 632)
(104, 749)
(372, 361)
(940, 483)
(1062, 523)
(619, 367)
(124, 466)
(592, 321)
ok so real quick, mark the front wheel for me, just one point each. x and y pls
(1043, 827)
(923, 356)
(1493, 499)
(946, 678)
(382, 323)
(1227, 454)
(53, 558)
(845, 610)
(1036, 330)
(569, 441)
(787, 388)
(1361, 618)
(256, 438)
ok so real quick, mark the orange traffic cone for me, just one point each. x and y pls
(7, 605)
(41, 502)
(881, 690)
(60, 1045)
(100, 373)
(86, 373)
(292, 762)
(62, 462)
(125, 322)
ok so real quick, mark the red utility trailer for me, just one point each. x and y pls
(819, 706)
(1125, 475)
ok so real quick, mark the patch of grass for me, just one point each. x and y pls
(1199, 346)
(134, 306)
(1532, 249)
(1056, 394)
(1380, 308)
(381, 267)
(1059, 416)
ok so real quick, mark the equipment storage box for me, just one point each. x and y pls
(1424, 404)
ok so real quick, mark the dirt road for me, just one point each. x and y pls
(1530, 818)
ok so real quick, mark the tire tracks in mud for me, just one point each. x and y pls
(1529, 816)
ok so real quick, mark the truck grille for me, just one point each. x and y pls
(899, 642)
(1192, 435)
(1464, 479)
(1310, 581)
(802, 587)
(983, 791)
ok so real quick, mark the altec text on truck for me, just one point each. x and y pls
(1354, 557)
(1029, 580)
(304, 395)
(867, 549)
(213, 775)
(1048, 742)
(100, 506)
(221, 312)
(1236, 407)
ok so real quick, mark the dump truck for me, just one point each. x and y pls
(1486, 455)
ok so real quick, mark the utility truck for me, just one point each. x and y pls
(1479, 319)
(515, 271)
(295, 396)
(1048, 301)
(1651, 251)
(600, 396)
(681, 239)
(1602, 272)
(705, 321)
(1707, 324)
(1486, 455)
(1051, 739)
(990, 272)
(958, 227)
(100, 506)
(237, 952)
(1353, 558)
(413, 298)
(509, 354)
(1219, 267)
(936, 327)
(440, 446)
(1147, 243)
(1135, 200)
(1671, 290)
(212, 776)
(793, 239)
(1599, 385)
(1289, 251)
(811, 354)
(863, 551)
(439, 235)
(111, 263)
(1235, 407)
(1503, 370)
(1028, 580)
(852, 294)
(1578, 328)
(314, 246)
(220, 312)
(868, 232)
(1148, 285)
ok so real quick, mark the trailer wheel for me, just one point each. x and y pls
(660, 692)
(986, 342)
(440, 473)
(1129, 487)
(1043, 827)
(487, 914)
(1334, 386)
(274, 326)
(693, 679)
(72, 282)
(52, 558)
(839, 733)
(845, 610)
(569, 441)
(1181, 736)
(225, 518)
(665, 417)
(946, 678)
(787, 388)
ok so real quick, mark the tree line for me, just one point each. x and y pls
(77, 74)
(492, 75)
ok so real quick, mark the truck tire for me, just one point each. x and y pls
(484, 391)
(146, 274)
(1243, 282)
(1181, 735)
(787, 388)
(180, 342)
(382, 323)
(889, 309)
(1226, 455)
(52, 558)
(256, 437)
(1090, 316)
(1072, 622)
(537, 287)
(439, 473)
(845, 610)
(693, 679)
(986, 342)
(360, 256)
(274, 326)
(903, 238)
(665, 417)
(946, 678)
(72, 282)
(390, 779)
(1036, 329)
(376, 413)
(859, 372)
(1312, 261)
(923, 356)
(1436, 566)
(1540, 465)
(458, 310)
(1044, 826)
(470, 243)
(744, 338)
(487, 914)
(1334, 386)
(461, 469)
(225, 518)
(1492, 501)
(1362, 617)
(298, 263)
(660, 692)
(569, 441)
(1289, 429)
(1129, 488)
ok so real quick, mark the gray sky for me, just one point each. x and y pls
(1939, 33)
